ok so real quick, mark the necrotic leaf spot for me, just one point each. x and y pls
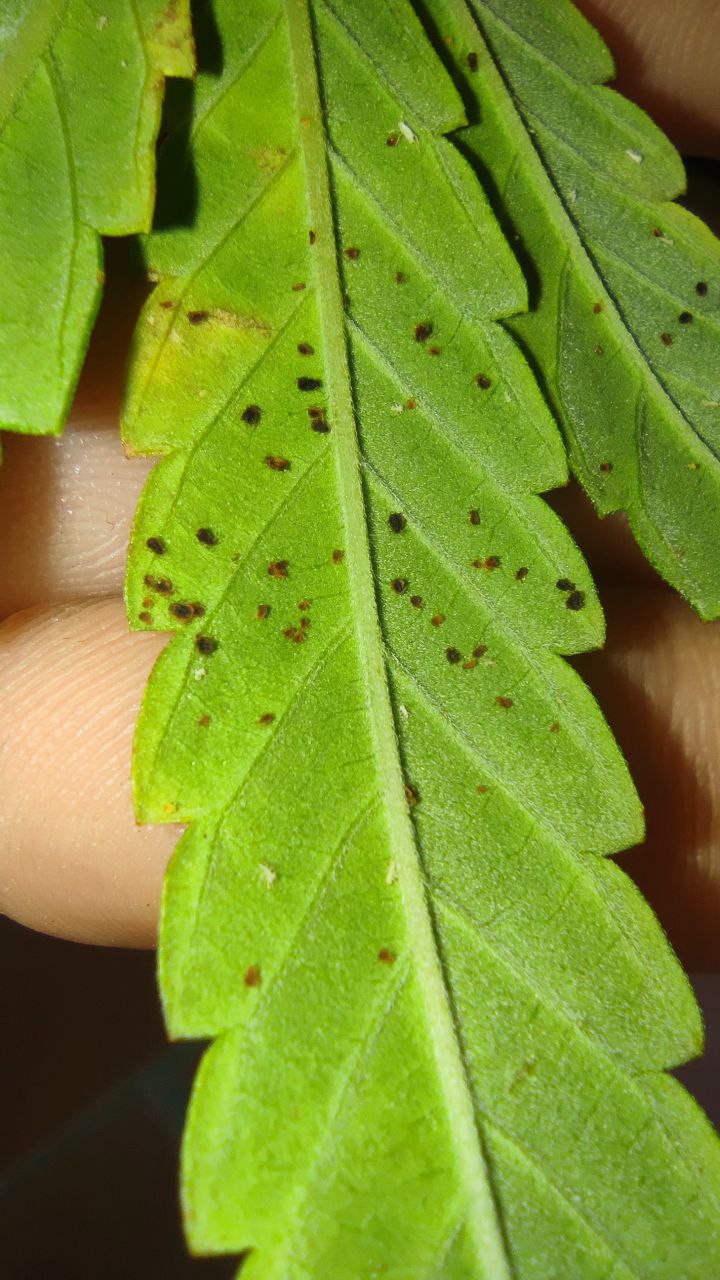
(423, 331)
(453, 655)
(575, 600)
(206, 644)
(157, 545)
(206, 537)
(252, 415)
(397, 522)
(309, 384)
(399, 586)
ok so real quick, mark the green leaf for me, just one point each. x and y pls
(80, 91)
(625, 308)
(440, 1017)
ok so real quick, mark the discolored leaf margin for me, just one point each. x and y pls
(81, 85)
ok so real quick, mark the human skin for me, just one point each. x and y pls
(73, 862)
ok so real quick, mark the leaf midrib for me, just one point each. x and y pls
(483, 1222)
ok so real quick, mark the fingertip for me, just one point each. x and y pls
(73, 862)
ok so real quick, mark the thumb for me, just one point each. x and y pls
(667, 56)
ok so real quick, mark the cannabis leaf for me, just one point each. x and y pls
(440, 1017)
(80, 90)
(625, 316)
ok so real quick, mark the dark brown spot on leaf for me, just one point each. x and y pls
(504, 702)
(252, 976)
(481, 788)
(483, 381)
(474, 517)
(423, 331)
(399, 586)
(399, 277)
(252, 415)
(701, 288)
(397, 522)
(479, 651)
(666, 339)
(206, 644)
(298, 286)
(522, 573)
(597, 307)
(338, 556)
(206, 537)
(198, 317)
(433, 351)
(411, 794)
(392, 139)
(183, 611)
(305, 349)
(685, 317)
(472, 60)
(312, 236)
(386, 956)
(555, 727)
(204, 720)
(263, 611)
(575, 600)
(156, 545)
(267, 717)
(278, 568)
(145, 617)
(352, 253)
(416, 602)
(564, 584)
(453, 655)
(657, 232)
(606, 467)
(309, 384)
(410, 404)
(276, 464)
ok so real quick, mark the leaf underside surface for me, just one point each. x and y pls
(80, 92)
(624, 322)
(440, 1017)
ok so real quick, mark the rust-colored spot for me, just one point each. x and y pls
(263, 611)
(437, 619)
(597, 307)
(252, 976)
(606, 467)
(206, 644)
(386, 956)
(423, 331)
(304, 623)
(145, 617)
(206, 537)
(470, 665)
(399, 277)
(453, 655)
(276, 464)
(504, 702)
(481, 788)
(148, 602)
(474, 516)
(338, 556)
(554, 727)
(433, 351)
(252, 415)
(353, 253)
(298, 286)
(392, 139)
(666, 339)
(479, 651)
(483, 381)
(303, 604)
(399, 586)
(490, 563)
(397, 522)
(267, 717)
(182, 610)
(204, 720)
(416, 602)
(278, 568)
(410, 404)
(294, 634)
(522, 573)
(157, 545)
(411, 794)
(198, 317)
